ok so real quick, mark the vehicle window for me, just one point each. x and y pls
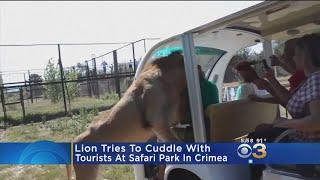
(234, 88)
(206, 56)
(232, 81)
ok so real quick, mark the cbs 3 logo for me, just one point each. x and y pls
(245, 150)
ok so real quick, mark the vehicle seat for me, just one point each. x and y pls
(230, 120)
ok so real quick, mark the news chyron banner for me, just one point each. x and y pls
(41, 152)
(46, 152)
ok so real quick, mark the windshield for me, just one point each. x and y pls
(206, 56)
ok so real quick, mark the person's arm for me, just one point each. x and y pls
(263, 84)
(280, 92)
(309, 123)
(277, 62)
(286, 67)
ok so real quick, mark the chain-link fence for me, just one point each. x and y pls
(56, 91)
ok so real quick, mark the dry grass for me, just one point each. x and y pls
(62, 130)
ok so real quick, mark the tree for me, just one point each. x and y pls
(260, 69)
(230, 74)
(244, 54)
(72, 87)
(81, 70)
(51, 75)
(36, 79)
(278, 48)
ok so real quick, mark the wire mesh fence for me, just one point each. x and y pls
(56, 91)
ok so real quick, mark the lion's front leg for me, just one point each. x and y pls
(164, 133)
(86, 171)
(160, 119)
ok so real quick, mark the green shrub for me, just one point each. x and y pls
(80, 122)
(52, 74)
(72, 87)
(111, 96)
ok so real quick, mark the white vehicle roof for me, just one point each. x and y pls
(270, 19)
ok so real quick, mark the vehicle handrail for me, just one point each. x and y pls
(284, 134)
(279, 138)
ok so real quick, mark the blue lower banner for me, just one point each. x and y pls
(197, 153)
(41, 152)
(46, 152)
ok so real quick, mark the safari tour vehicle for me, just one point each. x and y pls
(212, 46)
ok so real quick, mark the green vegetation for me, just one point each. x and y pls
(61, 130)
(51, 106)
(111, 96)
(52, 74)
(72, 87)
(44, 109)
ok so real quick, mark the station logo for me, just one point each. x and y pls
(257, 151)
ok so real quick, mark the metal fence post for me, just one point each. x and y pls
(3, 104)
(104, 66)
(30, 87)
(62, 81)
(88, 79)
(134, 58)
(69, 103)
(22, 105)
(25, 81)
(115, 62)
(96, 78)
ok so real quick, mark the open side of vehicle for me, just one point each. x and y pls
(212, 46)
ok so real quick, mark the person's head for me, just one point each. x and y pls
(246, 72)
(307, 53)
(288, 53)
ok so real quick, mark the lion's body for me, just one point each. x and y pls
(148, 108)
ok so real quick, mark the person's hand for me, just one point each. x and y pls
(274, 60)
(249, 75)
(270, 75)
(261, 84)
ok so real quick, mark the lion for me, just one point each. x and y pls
(149, 108)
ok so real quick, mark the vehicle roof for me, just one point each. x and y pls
(271, 19)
